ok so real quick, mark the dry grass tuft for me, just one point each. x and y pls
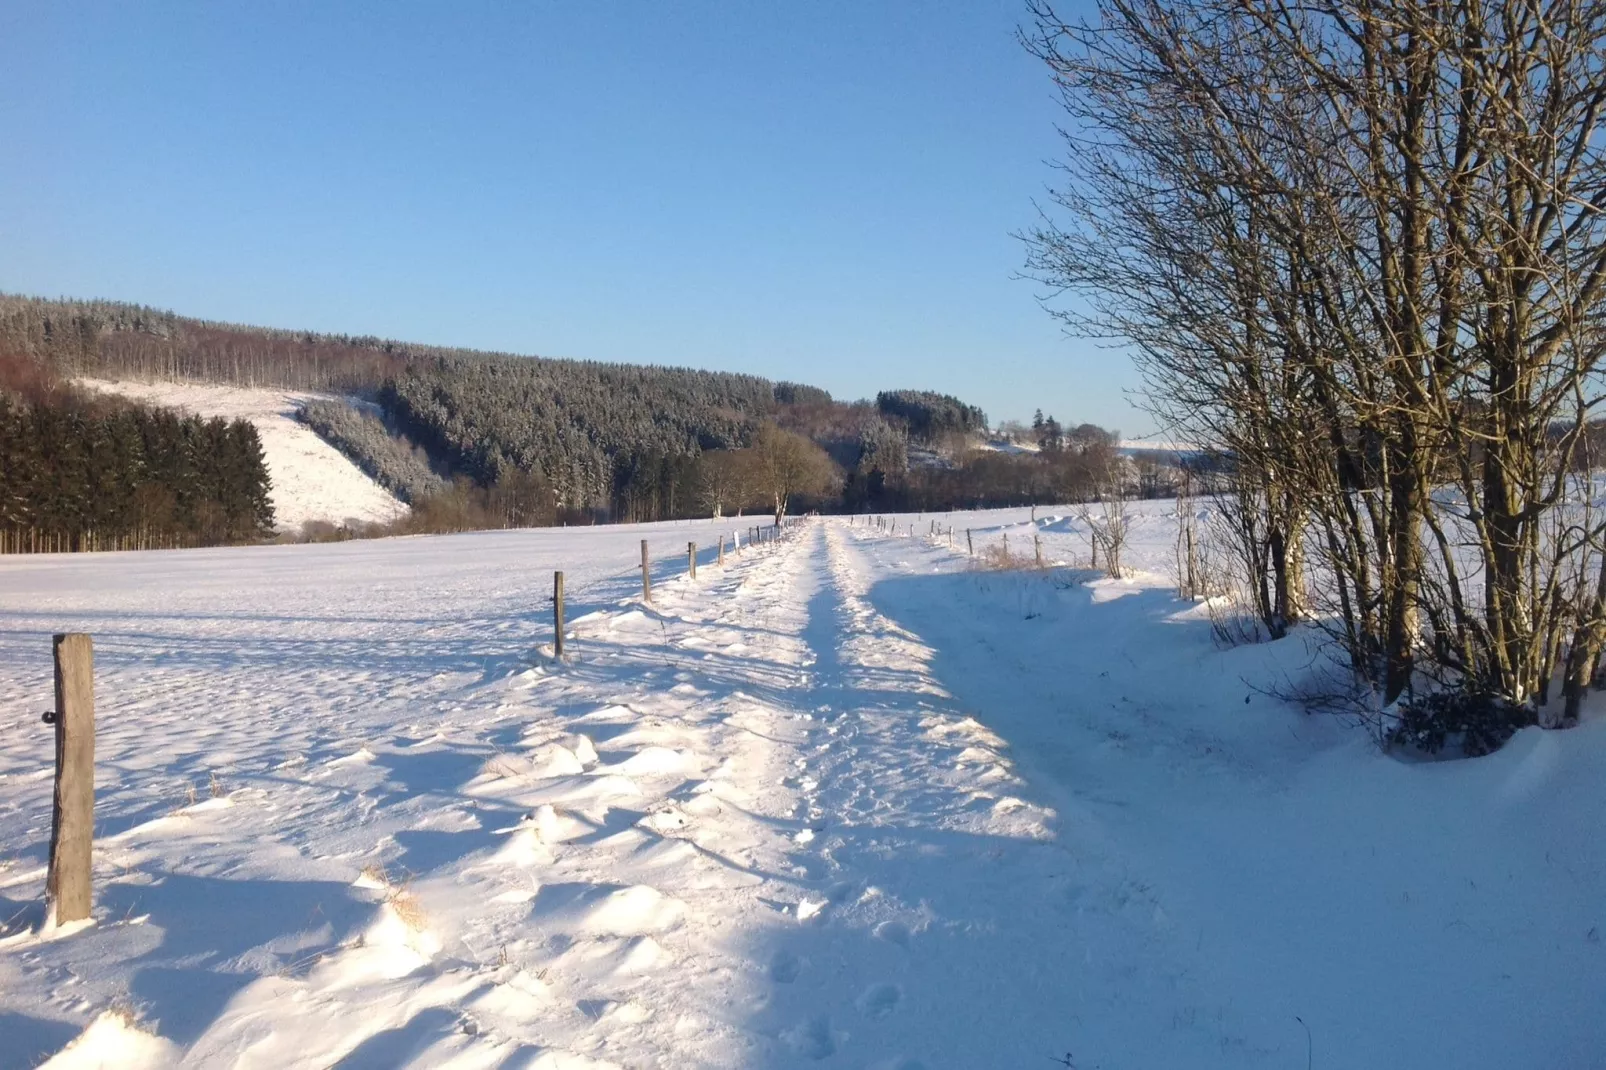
(398, 897)
(994, 558)
(406, 906)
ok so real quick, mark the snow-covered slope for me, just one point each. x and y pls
(842, 803)
(311, 479)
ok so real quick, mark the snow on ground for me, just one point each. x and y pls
(1004, 445)
(1155, 445)
(842, 803)
(311, 479)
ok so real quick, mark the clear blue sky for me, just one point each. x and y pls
(822, 192)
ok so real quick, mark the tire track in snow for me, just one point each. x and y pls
(895, 789)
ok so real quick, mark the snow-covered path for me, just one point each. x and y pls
(842, 803)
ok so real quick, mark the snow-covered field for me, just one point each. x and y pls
(843, 803)
(311, 479)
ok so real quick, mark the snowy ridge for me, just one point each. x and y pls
(311, 479)
(843, 803)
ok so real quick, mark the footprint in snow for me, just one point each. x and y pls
(893, 932)
(812, 1039)
(842, 891)
(878, 1001)
(785, 967)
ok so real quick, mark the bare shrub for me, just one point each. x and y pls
(1108, 523)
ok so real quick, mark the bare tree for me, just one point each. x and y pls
(785, 465)
(1359, 248)
(726, 481)
(1108, 520)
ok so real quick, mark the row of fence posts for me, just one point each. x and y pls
(756, 536)
(68, 884)
(891, 526)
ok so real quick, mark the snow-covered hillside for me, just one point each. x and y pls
(843, 803)
(311, 479)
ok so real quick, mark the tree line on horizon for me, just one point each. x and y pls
(471, 439)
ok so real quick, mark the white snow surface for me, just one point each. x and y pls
(844, 802)
(311, 479)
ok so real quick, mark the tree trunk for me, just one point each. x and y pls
(1406, 507)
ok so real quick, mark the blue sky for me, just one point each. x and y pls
(822, 192)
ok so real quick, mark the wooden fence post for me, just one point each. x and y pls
(646, 575)
(72, 824)
(970, 547)
(722, 549)
(1006, 551)
(691, 559)
(1037, 548)
(557, 614)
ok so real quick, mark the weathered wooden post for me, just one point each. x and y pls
(721, 550)
(72, 822)
(950, 536)
(1034, 514)
(557, 614)
(970, 546)
(646, 575)
(691, 559)
(1037, 548)
(1006, 551)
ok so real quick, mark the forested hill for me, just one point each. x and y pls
(109, 339)
(477, 413)
(568, 421)
(80, 471)
(579, 439)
